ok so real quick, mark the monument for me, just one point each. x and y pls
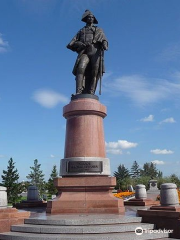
(153, 185)
(85, 184)
(9, 215)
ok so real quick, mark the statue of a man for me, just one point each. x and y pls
(90, 43)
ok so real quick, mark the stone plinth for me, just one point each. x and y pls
(84, 142)
(141, 202)
(169, 195)
(85, 195)
(85, 185)
(84, 128)
(166, 215)
(140, 198)
(11, 216)
(30, 204)
(3, 197)
(163, 218)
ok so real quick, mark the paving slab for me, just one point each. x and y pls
(116, 228)
(112, 236)
(71, 220)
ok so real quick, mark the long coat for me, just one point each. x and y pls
(99, 37)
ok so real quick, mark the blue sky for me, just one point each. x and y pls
(141, 87)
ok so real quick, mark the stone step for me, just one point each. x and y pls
(82, 221)
(92, 229)
(111, 236)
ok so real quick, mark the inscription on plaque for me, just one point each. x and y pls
(84, 166)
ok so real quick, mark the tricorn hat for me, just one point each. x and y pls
(86, 13)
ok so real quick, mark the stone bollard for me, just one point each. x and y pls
(3, 197)
(140, 191)
(33, 194)
(169, 195)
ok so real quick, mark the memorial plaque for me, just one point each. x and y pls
(84, 166)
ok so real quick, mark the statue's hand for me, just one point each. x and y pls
(104, 45)
(79, 46)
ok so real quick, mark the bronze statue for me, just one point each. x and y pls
(90, 43)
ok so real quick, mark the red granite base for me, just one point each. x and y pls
(141, 202)
(11, 216)
(85, 195)
(163, 218)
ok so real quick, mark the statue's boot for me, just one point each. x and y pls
(93, 85)
(79, 84)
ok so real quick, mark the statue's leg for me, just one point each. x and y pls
(80, 73)
(94, 72)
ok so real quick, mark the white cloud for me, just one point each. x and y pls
(49, 98)
(168, 120)
(159, 151)
(143, 91)
(2, 156)
(116, 147)
(121, 144)
(150, 118)
(4, 45)
(52, 156)
(158, 162)
(114, 151)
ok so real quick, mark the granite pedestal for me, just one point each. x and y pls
(85, 185)
(166, 215)
(140, 197)
(8, 215)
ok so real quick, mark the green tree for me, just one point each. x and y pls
(174, 179)
(36, 177)
(150, 170)
(10, 181)
(122, 176)
(142, 180)
(122, 172)
(50, 184)
(135, 170)
(160, 174)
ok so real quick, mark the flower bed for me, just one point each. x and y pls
(124, 195)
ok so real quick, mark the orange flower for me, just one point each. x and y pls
(124, 194)
(178, 194)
